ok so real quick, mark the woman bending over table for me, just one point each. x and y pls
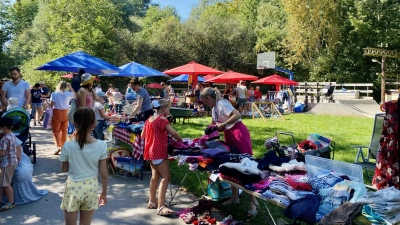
(227, 119)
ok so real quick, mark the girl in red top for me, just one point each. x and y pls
(155, 132)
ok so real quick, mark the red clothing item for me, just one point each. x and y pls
(257, 94)
(156, 139)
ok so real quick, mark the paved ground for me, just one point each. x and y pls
(363, 108)
(126, 197)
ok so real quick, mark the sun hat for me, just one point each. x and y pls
(86, 78)
(101, 94)
(41, 82)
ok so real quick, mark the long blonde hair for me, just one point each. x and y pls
(208, 91)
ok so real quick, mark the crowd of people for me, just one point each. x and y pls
(85, 156)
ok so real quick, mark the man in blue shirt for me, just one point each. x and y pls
(45, 91)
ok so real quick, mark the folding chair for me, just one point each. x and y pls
(368, 163)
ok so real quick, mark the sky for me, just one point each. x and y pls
(182, 6)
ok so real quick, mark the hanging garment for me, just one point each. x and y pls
(387, 160)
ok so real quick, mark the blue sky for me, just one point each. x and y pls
(182, 6)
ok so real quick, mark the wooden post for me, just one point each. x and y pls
(317, 92)
(383, 79)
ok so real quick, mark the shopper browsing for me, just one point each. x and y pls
(155, 132)
(82, 158)
(101, 116)
(8, 161)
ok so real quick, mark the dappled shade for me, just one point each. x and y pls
(80, 60)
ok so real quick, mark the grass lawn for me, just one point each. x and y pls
(345, 131)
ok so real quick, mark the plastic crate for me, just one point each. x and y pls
(316, 165)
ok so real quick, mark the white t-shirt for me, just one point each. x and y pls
(221, 112)
(241, 90)
(116, 98)
(61, 99)
(83, 164)
(17, 91)
(96, 109)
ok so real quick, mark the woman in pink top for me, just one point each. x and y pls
(86, 95)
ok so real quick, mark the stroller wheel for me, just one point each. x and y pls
(33, 153)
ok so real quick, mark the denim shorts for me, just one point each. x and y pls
(241, 102)
(35, 105)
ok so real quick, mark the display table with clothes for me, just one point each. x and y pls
(130, 133)
(321, 191)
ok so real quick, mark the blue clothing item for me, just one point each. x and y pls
(275, 197)
(130, 90)
(24, 189)
(324, 180)
(98, 130)
(34, 106)
(45, 91)
(146, 103)
(36, 96)
(136, 128)
(330, 200)
(359, 189)
(296, 209)
(371, 215)
(271, 158)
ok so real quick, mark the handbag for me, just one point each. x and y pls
(48, 116)
(219, 189)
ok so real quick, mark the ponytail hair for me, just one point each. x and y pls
(211, 92)
(84, 119)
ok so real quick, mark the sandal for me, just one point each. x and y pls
(7, 206)
(232, 201)
(253, 212)
(151, 205)
(57, 151)
(164, 211)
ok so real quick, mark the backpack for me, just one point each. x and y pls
(72, 109)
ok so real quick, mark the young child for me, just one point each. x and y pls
(155, 132)
(8, 161)
(82, 158)
(12, 103)
(101, 116)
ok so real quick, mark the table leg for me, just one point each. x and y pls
(173, 195)
(269, 213)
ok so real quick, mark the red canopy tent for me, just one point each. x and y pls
(232, 77)
(193, 69)
(69, 76)
(275, 79)
(208, 77)
(154, 85)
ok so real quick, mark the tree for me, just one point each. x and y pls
(311, 27)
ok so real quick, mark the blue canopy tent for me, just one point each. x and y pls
(184, 78)
(80, 60)
(134, 69)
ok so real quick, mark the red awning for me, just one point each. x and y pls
(275, 79)
(192, 68)
(154, 85)
(232, 77)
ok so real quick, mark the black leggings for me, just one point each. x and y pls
(145, 115)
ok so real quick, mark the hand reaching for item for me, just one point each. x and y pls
(210, 129)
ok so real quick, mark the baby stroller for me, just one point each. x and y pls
(21, 130)
(328, 93)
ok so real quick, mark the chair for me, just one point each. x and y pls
(368, 162)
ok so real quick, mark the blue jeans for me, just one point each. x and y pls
(98, 130)
(34, 106)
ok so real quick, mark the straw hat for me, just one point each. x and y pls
(86, 78)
